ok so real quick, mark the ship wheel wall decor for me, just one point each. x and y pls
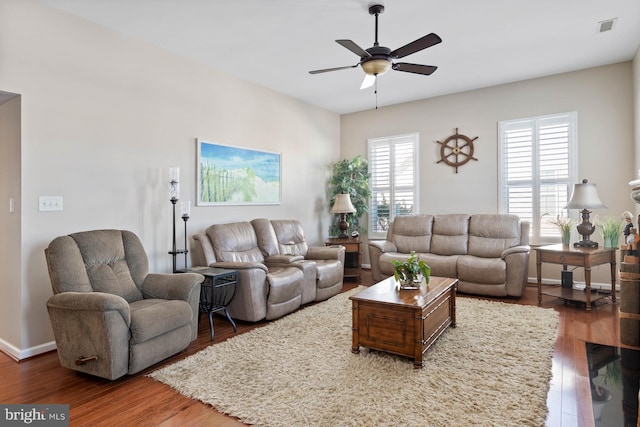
(456, 150)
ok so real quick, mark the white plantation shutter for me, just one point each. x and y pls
(394, 178)
(538, 158)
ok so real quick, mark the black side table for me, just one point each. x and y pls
(216, 292)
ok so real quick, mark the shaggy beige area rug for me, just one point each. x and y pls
(492, 370)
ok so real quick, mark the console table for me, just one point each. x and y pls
(580, 257)
(216, 292)
(352, 255)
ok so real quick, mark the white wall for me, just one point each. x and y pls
(104, 117)
(602, 97)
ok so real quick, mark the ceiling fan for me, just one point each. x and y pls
(378, 59)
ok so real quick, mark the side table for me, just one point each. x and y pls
(580, 257)
(216, 292)
(352, 256)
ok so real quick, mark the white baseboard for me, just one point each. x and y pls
(17, 354)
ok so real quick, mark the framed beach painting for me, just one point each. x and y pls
(237, 176)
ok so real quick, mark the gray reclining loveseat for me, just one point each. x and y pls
(277, 270)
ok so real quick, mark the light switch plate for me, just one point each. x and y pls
(50, 203)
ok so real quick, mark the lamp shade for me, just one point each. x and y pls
(342, 204)
(585, 196)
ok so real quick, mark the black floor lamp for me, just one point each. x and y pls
(174, 195)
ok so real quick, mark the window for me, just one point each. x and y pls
(393, 163)
(538, 166)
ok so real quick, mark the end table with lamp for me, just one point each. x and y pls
(581, 257)
(584, 253)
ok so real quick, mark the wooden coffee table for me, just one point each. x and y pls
(404, 322)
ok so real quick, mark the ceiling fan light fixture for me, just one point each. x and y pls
(376, 67)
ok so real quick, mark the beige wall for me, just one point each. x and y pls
(602, 97)
(10, 262)
(636, 113)
(104, 117)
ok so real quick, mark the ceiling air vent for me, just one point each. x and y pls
(606, 25)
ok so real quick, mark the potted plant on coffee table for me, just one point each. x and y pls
(408, 272)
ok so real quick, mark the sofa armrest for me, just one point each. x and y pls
(383, 245)
(376, 249)
(326, 252)
(90, 301)
(91, 330)
(171, 286)
(515, 250)
(238, 265)
(517, 260)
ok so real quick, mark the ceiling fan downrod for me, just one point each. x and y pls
(376, 9)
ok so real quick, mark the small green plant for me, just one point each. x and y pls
(351, 177)
(407, 271)
(610, 229)
(565, 225)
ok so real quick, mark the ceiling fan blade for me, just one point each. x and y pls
(369, 80)
(353, 47)
(416, 45)
(414, 68)
(326, 70)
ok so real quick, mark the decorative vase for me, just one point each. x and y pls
(410, 283)
(566, 237)
(611, 242)
(410, 273)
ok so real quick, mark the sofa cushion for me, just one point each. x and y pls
(441, 265)
(482, 270)
(412, 233)
(386, 266)
(114, 278)
(154, 317)
(267, 241)
(450, 234)
(490, 235)
(235, 242)
(285, 292)
(290, 236)
(328, 272)
(107, 255)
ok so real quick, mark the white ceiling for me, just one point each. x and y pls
(275, 43)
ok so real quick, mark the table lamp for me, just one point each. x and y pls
(585, 197)
(343, 206)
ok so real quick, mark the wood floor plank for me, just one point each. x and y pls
(140, 401)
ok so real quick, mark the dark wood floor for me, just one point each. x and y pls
(141, 401)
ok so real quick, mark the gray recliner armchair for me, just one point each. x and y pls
(109, 315)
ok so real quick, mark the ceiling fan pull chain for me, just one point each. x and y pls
(376, 90)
